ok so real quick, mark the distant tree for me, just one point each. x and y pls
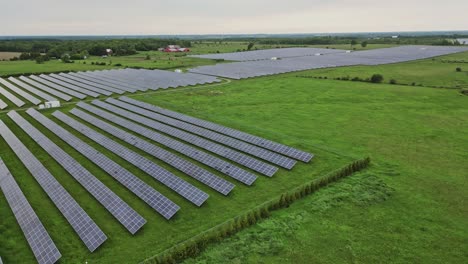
(250, 46)
(25, 56)
(393, 81)
(377, 78)
(459, 69)
(353, 42)
(40, 59)
(148, 57)
(65, 58)
(364, 44)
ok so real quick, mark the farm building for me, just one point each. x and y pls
(175, 48)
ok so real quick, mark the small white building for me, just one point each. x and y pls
(394, 37)
(463, 41)
(52, 104)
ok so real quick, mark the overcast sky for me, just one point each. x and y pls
(141, 17)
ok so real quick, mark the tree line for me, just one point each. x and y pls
(57, 48)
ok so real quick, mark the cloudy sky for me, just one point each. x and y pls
(118, 17)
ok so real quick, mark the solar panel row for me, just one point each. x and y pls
(107, 84)
(264, 154)
(20, 92)
(38, 239)
(91, 84)
(116, 206)
(88, 85)
(194, 153)
(236, 156)
(274, 146)
(39, 82)
(111, 82)
(91, 235)
(183, 165)
(18, 102)
(180, 186)
(3, 105)
(153, 198)
(268, 54)
(60, 95)
(63, 79)
(63, 86)
(32, 89)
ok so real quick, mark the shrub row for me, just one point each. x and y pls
(195, 245)
(376, 78)
(454, 61)
(391, 81)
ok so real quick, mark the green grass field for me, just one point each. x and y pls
(158, 234)
(410, 206)
(428, 72)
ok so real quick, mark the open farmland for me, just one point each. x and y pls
(412, 193)
(4, 55)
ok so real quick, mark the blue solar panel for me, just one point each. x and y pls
(153, 198)
(184, 166)
(39, 240)
(261, 142)
(180, 186)
(91, 235)
(262, 153)
(194, 153)
(236, 156)
(116, 206)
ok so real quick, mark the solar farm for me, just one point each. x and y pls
(315, 59)
(114, 168)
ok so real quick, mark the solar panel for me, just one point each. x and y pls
(97, 81)
(91, 235)
(267, 54)
(57, 93)
(184, 166)
(70, 83)
(262, 153)
(265, 143)
(221, 150)
(38, 239)
(18, 102)
(180, 186)
(153, 198)
(120, 77)
(22, 93)
(194, 153)
(116, 206)
(3, 105)
(64, 86)
(32, 89)
(93, 76)
(81, 80)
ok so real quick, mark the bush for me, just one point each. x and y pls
(118, 64)
(458, 69)
(393, 81)
(356, 79)
(377, 78)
